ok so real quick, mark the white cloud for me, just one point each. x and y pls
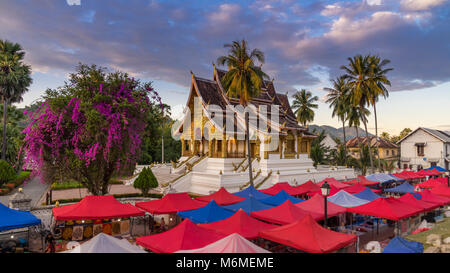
(73, 2)
(419, 5)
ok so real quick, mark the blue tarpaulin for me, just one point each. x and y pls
(382, 178)
(367, 194)
(12, 219)
(345, 199)
(248, 205)
(437, 168)
(252, 192)
(402, 188)
(400, 245)
(207, 214)
(280, 198)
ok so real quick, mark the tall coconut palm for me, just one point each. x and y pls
(359, 74)
(243, 80)
(14, 79)
(303, 106)
(338, 97)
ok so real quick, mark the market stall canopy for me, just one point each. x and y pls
(333, 182)
(240, 223)
(207, 214)
(285, 213)
(400, 245)
(430, 183)
(283, 186)
(382, 178)
(361, 180)
(407, 175)
(248, 205)
(367, 194)
(184, 236)
(233, 243)
(250, 191)
(429, 197)
(222, 197)
(355, 188)
(316, 205)
(333, 190)
(13, 219)
(280, 198)
(414, 202)
(104, 243)
(439, 168)
(345, 199)
(314, 238)
(424, 172)
(385, 208)
(441, 190)
(171, 203)
(96, 207)
(443, 180)
(309, 186)
(405, 187)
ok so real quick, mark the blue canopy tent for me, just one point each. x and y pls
(207, 214)
(396, 179)
(14, 219)
(400, 245)
(280, 198)
(367, 194)
(402, 188)
(383, 178)
(248, 205)
(437, 168)
(345, 199)
(252, 192)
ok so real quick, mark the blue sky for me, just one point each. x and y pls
(305, 43)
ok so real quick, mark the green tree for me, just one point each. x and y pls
(243, 80)
(385, 136)
(15, 78)
(7, 172)
(319, 153)
(303, 106)
(145, 181)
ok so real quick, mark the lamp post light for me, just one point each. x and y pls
(325, 188)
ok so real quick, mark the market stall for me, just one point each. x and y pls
(309, 186)
(345, 199)
(367, 194)
(104, 243)
(250, 191)
(209, 213)
(333, 182)
(222, 197)
(14, 219)
(280, 198)
(285, 213)
(248, 205)
(400, 245)
(282, 186)
(316, 204)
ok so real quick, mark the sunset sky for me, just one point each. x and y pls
(305, 43)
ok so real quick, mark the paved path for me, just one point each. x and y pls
(33, 188)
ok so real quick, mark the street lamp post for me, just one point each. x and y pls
(325, 188)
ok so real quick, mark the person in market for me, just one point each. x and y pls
(50, 243)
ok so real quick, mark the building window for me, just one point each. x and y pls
(420, 150)
(387, 152)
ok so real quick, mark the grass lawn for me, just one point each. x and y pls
(442, 228)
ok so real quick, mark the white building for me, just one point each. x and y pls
(425, 147)
(329, 142)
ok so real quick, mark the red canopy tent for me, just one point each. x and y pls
(275, 189)
(241, 223)
(309, 186)
(429, 197)
(414, 175)
(285, 213)
(355, 189)
(361, 181)
(333, 190)
(314, 238)
(408, 175)
(332, 181)
(222, 197)
(430, 183)
(185, 236)
(434, 172)
(443, 180)
(316, 205)
(385, 208)
(424, 173)
(441, 190)
(96, 207)
(171, 203)
(410, 200)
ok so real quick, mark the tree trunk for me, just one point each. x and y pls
(248, 148)
(345, 139)
(370, 148)
(5, 106)
(357, 133)
(376, 134)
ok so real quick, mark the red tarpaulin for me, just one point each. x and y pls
(309, 236)
(414, 175)
(429, 197)
(424, 173)
(408, 175)
(414, 202)
(185, 236)
(384, 208)
(355, 189)
(275, 189)
(332, 181)
(241, 223)
(430, 183)
(222, 197)
(333, 190)
(441, 190)
(316, 204)
(96, 207)
(285, 213)
(361, 181)
(309, 186)
(171, 203)
(443, 180)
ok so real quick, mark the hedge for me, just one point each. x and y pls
(123, 195)
(22, 177)
(72, 184)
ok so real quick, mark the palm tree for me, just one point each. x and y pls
(338, 97)
(243, 80)
(14, 79)
(303, 106)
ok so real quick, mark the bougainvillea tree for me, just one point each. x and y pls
(90, 128)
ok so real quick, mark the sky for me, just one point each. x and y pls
(305, 43)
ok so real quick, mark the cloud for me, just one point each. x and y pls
(421, 5)
(73, 2)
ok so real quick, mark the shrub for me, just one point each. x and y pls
(7, 172)
(23, 176)
(145, 181)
